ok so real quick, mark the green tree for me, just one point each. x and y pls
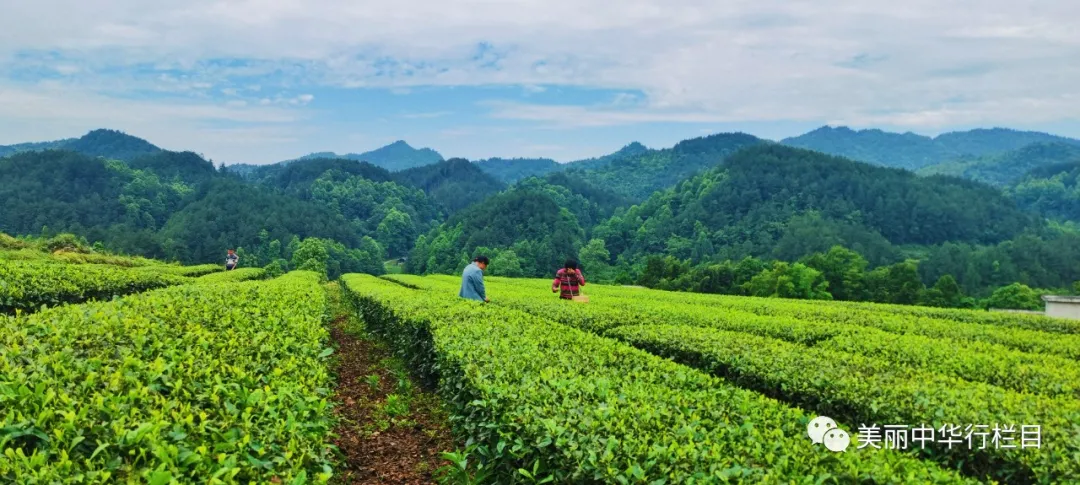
(703, 246)
(715, 278)
(785, 280)
(844, 269)
(311, 255)
(945, 293)
(275, 268)
(506, 263)
(396, 232)
(594, 259)
(665, 273)
(1016, 296)
(898, 283)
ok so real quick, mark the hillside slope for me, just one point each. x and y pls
(638, 175)
(783, 201)
(455, 184)
(1008, 167)
(511, 170)
(173, 205)
(1052, 190)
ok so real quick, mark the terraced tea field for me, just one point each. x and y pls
(153, 373)
(997, 391)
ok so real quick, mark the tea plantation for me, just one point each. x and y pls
(134, 371)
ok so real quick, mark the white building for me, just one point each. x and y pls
(1062, 306)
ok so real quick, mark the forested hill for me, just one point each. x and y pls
(527, 230)
(110, 144)
(911, 151)
(638, 175)
(455, 184)
(1052, 190)
(784, 202)
(393, 157)
(1008, 167)
(299, 176)
(633, 149)
(707, 201)
(511, 170)
(175, 205)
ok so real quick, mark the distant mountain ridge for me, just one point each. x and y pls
(1008, 167)
(394, 157)
(911, 151)
(636, 171)
(112, 144)
(632, 149)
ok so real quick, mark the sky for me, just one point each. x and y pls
(259, 81)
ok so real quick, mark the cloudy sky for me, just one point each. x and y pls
(259, 81)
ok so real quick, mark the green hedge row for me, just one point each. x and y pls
(973, 322)
(794, 321)
(974, 361)
(191, 271)
(970, 360)
(547, 401)
(1026, 333)
(235, 276)
(192, 384)
(27, 285)
(863, 390)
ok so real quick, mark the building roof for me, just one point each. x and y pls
(1061, 299)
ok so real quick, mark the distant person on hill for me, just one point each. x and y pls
(568, 281)
(231, 260)
(472, 280)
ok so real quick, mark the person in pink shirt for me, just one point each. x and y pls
(568, 280)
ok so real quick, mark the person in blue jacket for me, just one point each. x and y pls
(472, 280)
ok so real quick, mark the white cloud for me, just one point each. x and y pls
(51, 112)
(918, 63)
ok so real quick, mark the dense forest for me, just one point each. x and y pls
(455, 184)
(991, 222)
(755, 204)
(1053, 191)
(1005, 168)
(638, 175)
(510, 170)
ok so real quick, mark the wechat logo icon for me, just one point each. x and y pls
(823, 430)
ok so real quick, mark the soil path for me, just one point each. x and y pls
(389, 431)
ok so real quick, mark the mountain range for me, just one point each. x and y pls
(97, 143)
(911, 151)
(989, 207)
(398, 155)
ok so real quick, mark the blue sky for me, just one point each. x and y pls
(258, 81)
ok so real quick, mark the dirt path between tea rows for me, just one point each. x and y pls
(389, 430)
